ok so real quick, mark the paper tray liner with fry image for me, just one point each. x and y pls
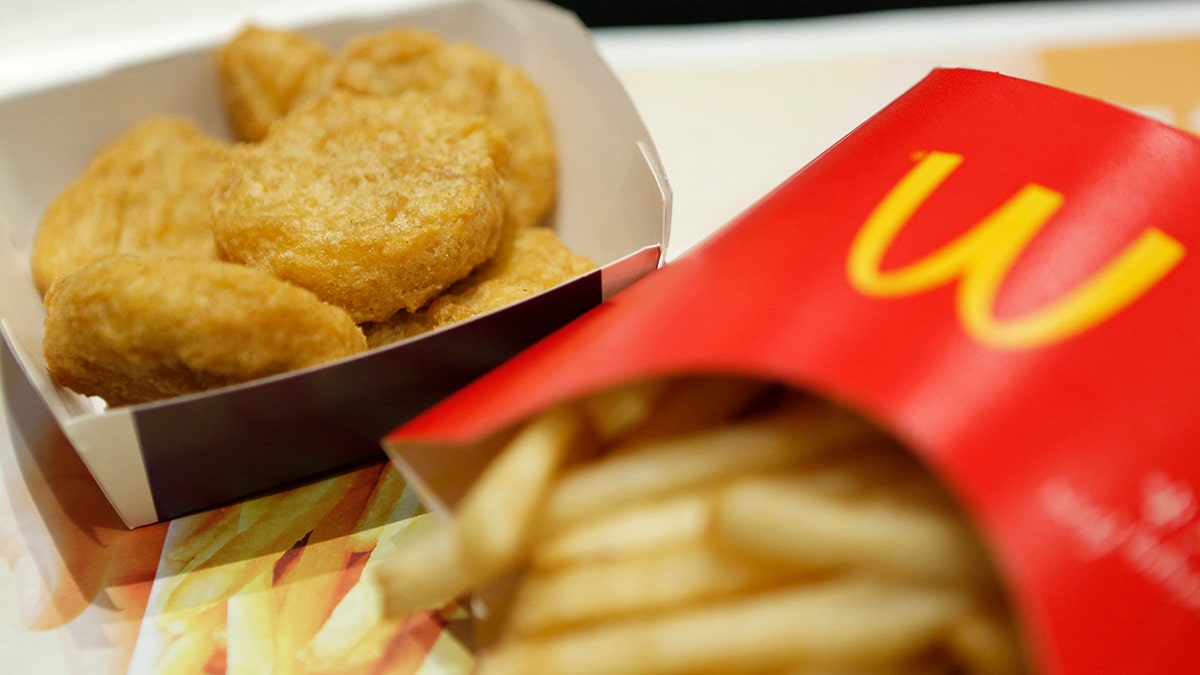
(157, 461)
(998, 273)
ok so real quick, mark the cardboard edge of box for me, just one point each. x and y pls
(582, 94)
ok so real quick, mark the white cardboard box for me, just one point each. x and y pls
(161, 460)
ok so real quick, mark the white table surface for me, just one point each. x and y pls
(734, 109)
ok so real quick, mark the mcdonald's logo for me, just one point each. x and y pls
(979, 260)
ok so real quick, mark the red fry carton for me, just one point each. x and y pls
(996, 271)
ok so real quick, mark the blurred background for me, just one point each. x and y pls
(792, 76)
(599, 13)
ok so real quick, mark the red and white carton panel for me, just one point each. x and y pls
(1002, 275)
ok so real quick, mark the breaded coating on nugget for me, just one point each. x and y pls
(147, 192)
(262, 73)
(537, 260)
(376, 204)
(133, 329)
(469, 79)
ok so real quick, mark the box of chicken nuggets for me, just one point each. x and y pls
(234, 268)
(929, 406)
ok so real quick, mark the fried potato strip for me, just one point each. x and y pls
(722, 525)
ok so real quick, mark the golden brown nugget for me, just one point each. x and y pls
(262, 73)
(466, 78)
(133, 329)
(536, 260)
(375, 204)
(146, 192)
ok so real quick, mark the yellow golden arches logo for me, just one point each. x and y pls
(980, 259)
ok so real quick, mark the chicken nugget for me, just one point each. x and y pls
(146, 192)
(469, 79)
(262, 73)
(133, 329)
(376, 204)
(537, 260)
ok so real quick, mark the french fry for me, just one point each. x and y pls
(615, 410)
(399, 648)
(779, 519)
(844, 622)
(914, 667)
(497, 517)
(209, 618)
(389, 502)
(189, 651)
(662, 467)
(372, 648)
(430, 573)
(356, 617)
(692, 403)
(253, 510)
(361, 609)
(864, 471)
(251, 627)
(199, 534)
(447, 655)
(985, 642)
(880, 468)
(308, 590)
(239, 559)
(270, 590)
(303, 604)
(651, 526)
(493, 527)
(564, 599)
